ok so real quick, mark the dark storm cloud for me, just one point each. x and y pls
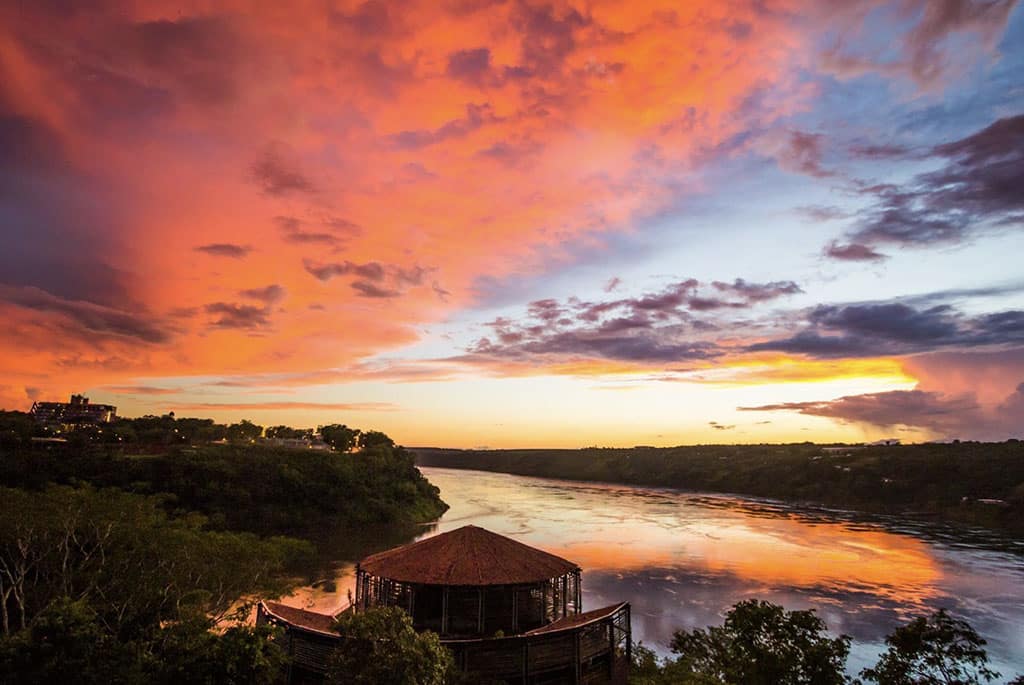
(238, 316)
(898, 407)
(333, 232)
(639, 348)
(373, 271)
(878, 151)
(56, 231)
(942, 37)
(270, 294)
(224, 250)
(373, 279)
(471, 66)
(853, 252)
(476, 117)
(28, 143)
(946, 415)
(512, 153)
(548, 37)
(279, 176)
(758, 292)
(198, 54)
(311, 237)
(88, 318)
(940, 19)
(344, 227)
(367, 289)
(875, 329)
(977, 189)
(802, 152)
(653, 327)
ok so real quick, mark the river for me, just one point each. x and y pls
(682, 558)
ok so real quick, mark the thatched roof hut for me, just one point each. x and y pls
(470, 582)
(509, 612)
(467, 556)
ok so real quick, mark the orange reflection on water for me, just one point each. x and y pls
(780, 551)
(617, 528)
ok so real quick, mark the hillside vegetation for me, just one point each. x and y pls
(253, 488)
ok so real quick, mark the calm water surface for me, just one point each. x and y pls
(683, 558)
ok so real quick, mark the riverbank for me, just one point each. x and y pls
(979, 484)
(248, 488)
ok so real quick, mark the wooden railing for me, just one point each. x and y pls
(595, 652)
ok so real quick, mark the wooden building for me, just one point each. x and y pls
(509, 612)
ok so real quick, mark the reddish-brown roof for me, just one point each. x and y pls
(467, 556)
(577, 620)
(310, 620)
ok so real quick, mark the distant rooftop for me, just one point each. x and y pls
(467, 556)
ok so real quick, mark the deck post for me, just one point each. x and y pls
(444, 611)
(515, 611)
(565, 596)
(629, 638)
(611, 649)
(480, 611)
(576, 666)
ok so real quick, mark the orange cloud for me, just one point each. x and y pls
(233, 151)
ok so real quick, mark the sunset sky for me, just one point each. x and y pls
(472, 223)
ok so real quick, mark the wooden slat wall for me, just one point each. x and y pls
(593, 654)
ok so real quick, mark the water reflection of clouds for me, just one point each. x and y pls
(682, 559)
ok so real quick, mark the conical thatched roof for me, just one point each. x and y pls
(467, 556)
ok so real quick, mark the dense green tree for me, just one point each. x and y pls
(932, 650)
(381, 646)
(288, 433)
(297, 492)
(134, 564)
(370, 439)
(647, 669)
(762, 644)
(68, 643)
(192, 651)
(244, 431)
(16, 428)
(339, 436)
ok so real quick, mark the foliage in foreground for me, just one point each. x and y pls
(763, 644)
(934, 650)
(103, 586)
(69, 643)
(135, 565)
(381, 646)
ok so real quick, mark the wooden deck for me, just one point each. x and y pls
(592, 648)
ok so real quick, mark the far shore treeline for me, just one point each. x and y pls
(967, 482)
